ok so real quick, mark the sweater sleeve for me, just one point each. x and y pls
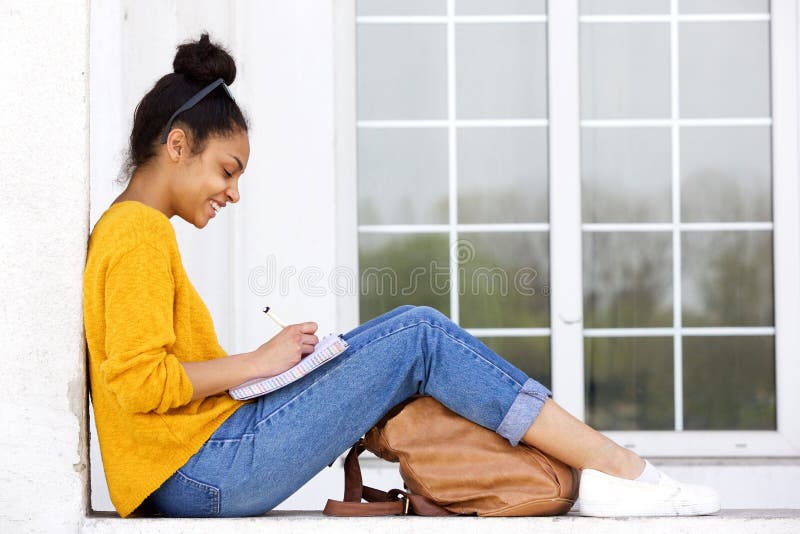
(139, 299)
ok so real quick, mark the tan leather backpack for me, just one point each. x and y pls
(453, 466)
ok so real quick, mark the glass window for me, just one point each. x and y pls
(402, 71)
(627, 175)
(629, 383)
(723, 6)
(500, 7)
(726, 174)
(677, 220)
(504, 280)
(729, 383)
(403, 269)
(627, 279)
(400, 7)
(625, 71)
(675, 200)
(394, 165)
(500, 71)
(502, 175)
(462, 180)
(727, 279)
(624, 7)
(724, 69)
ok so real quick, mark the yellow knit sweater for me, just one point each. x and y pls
(142, 318)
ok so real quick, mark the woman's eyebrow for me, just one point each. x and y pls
(241, 167)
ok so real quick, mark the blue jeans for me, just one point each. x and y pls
(268, 449)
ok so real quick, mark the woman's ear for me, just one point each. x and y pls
(176, 144)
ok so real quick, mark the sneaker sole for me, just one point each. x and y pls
(659, 508)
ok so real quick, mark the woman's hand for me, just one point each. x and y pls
(280, 353)
(285, 350)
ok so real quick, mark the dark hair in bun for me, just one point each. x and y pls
(196, 64)
(204, 62)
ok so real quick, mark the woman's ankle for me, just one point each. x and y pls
(619, 462)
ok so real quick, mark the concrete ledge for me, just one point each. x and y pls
(285, 522)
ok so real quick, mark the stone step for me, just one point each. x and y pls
(304, 522)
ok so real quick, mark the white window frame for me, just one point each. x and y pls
(566, 330)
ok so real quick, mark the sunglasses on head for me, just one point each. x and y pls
(201, 94)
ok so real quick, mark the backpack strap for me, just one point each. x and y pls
(393, 502)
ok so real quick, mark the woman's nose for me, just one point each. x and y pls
(233, 194)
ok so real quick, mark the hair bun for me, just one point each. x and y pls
(204, 61)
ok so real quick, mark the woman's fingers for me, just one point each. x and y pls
(308, 328)
(309, 339)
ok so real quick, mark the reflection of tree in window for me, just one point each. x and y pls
(629, 383)
(504, 254)
(401, 256)
(729, 383)
(627, 279)
(727, 278)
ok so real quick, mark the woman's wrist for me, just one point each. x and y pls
(254, 363)
(249, 364)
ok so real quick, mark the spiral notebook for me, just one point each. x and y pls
(327, 349)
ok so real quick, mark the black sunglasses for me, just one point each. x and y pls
(192, 102)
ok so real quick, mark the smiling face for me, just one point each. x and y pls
(210, 179)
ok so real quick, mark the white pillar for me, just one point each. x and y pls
(44, 159)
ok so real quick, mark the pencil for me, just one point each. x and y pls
(274, 317)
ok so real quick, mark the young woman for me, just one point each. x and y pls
(173, 440)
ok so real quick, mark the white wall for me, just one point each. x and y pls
(44, 159)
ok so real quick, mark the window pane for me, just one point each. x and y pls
(724, 69)
(500, 7)
(504, 280)
(401, 7)
(629, 383)
(729, 383)
(502, 175)
(402, 71)
(627, 279)
(624, 7)
(724, 6)
(626, 175)
(402, 175)
(501, 71)
(530, 354)
(727, 278)
(726, 174)
(625, 71)
(403, 269)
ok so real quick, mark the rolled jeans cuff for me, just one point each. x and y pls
(523, 411)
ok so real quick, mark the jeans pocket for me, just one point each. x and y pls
(183, 496)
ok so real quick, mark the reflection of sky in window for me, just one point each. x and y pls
(401, 71)
(501, 71)
(402, 176)
(502, 175)
(406, 7)
(625, 71)
(726, 173)
(626, 175)
(500, 7)
(724, 69)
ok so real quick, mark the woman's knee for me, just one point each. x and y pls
(426, 313)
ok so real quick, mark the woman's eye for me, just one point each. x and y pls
(229, 175)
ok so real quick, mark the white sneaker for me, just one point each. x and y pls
(603, 495)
